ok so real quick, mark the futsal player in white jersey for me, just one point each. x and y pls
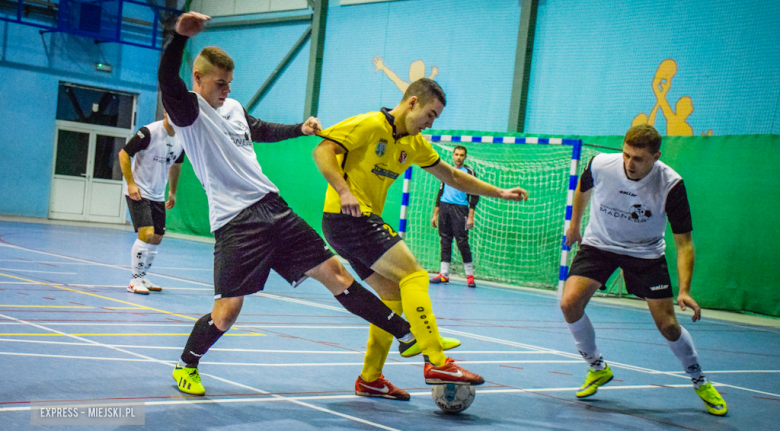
(631, 196)
(157, 156)
(254, 228)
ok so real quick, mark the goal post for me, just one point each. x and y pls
(512, 242)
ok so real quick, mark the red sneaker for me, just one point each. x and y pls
(450, 373)
(469, 281)
(380, 388)
(440, 279)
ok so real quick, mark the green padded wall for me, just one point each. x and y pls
(731, 182)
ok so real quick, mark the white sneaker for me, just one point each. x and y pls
(151, 286)
(137, 286)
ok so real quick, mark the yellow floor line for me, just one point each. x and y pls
(112, 299)
(43, 306)
(114, 335)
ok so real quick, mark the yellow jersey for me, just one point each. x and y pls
(374, 158)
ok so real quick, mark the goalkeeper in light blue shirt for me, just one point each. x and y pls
(454, 212)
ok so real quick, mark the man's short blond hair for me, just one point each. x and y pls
(210, 57)
(644, 136)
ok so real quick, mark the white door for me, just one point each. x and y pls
(87, 180)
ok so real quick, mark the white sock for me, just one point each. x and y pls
(469, 268)
(138, 258)
(445, 269)
(150, 257)
(685, 351)
(585, 339)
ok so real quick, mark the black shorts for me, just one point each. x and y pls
(267, 235)
(145, 213)
(645, 278)
(361, 240)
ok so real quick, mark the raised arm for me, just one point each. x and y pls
(472, 185)
(325, 159)
(400, 83)
(181, 105)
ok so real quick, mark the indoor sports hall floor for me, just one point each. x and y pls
(70, 331)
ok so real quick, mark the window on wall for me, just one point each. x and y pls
(90, 105)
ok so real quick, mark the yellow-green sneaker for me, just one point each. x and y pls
(593, 380)
(188, 380)
(712, 399)
(413, 349)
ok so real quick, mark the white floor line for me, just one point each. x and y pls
(565, 354)
(539, 348)
(353, 418)
(103, 286)
(346, 397)
(173, 325)
(279, 365)
(312, 352)
(89, 263)
(123, 268)
(302, 301)
(723, 372)
(42, 272)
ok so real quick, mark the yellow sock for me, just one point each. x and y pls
(378, 346)
(419, 313)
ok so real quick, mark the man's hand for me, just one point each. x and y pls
(684, 300)
(349, 204)
(573, 235)
(469, 222)
(514, 194)
(133, 192)
(433, 220)
(311, 126)
(191, 23)
(171, 201)
(378, 63)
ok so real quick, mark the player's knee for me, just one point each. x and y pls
(156, 239)
(670, 330)
(339, 272)
(226, 313)
(146, 233)
(571, 309)
(226, 319)
(417, 280)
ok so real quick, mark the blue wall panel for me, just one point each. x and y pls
(594, 63)
(471, 43)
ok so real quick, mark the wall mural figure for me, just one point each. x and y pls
(675, 119)
(416, 71)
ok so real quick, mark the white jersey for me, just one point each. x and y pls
(219, 146)
(626, 216)
(153, 152)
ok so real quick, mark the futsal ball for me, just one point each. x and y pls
(452, 398)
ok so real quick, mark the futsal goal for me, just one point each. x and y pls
(519, 243)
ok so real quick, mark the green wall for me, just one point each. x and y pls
(731, 182)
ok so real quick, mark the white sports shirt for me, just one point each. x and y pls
(153, 153)
(629, 217)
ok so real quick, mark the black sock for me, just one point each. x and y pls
(203, 336)
(365, 304)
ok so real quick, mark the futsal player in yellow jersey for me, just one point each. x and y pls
(360, 158)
